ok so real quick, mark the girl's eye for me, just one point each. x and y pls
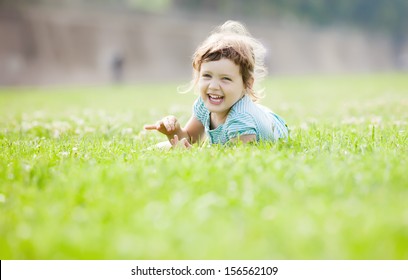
(227, 79)
(206, 75)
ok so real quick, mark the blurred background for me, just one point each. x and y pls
(70, 42)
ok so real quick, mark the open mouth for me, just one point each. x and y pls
(215, 99)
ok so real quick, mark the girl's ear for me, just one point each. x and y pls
(250, 83)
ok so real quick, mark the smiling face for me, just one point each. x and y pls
(221, 86)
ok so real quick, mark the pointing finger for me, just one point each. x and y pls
(150, 127)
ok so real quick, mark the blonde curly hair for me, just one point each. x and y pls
(232, 41)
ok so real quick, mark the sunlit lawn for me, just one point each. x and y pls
(78, 182)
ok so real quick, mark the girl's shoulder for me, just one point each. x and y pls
(199, 106)
(200, 111)
(245, 106)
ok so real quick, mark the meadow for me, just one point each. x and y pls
(78, 180)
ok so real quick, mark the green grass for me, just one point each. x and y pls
(78, 182)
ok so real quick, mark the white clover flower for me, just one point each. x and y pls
(304, 126)
(56, 133)
(127, 131)
(27, 167)
(376, 120)
(64, 154)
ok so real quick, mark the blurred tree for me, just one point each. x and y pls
(389, 16)
(150, 5)
(384, 15)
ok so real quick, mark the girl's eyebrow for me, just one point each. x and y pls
(220, 74)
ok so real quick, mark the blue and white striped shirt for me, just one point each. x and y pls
(245, 117)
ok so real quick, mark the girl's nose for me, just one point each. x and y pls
(214, 84)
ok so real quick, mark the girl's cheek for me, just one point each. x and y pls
(202, 84)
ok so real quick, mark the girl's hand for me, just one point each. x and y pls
(168, 125)
(180, 144)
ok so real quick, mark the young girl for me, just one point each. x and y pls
(226, 66)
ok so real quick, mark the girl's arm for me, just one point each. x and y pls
(195, 130)
(247, 138)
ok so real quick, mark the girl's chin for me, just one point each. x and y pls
(215, 109)
(211, 106)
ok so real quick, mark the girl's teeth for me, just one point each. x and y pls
(215, 97)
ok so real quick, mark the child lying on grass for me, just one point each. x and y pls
(226, 66)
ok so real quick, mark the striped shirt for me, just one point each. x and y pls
(245, 117)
